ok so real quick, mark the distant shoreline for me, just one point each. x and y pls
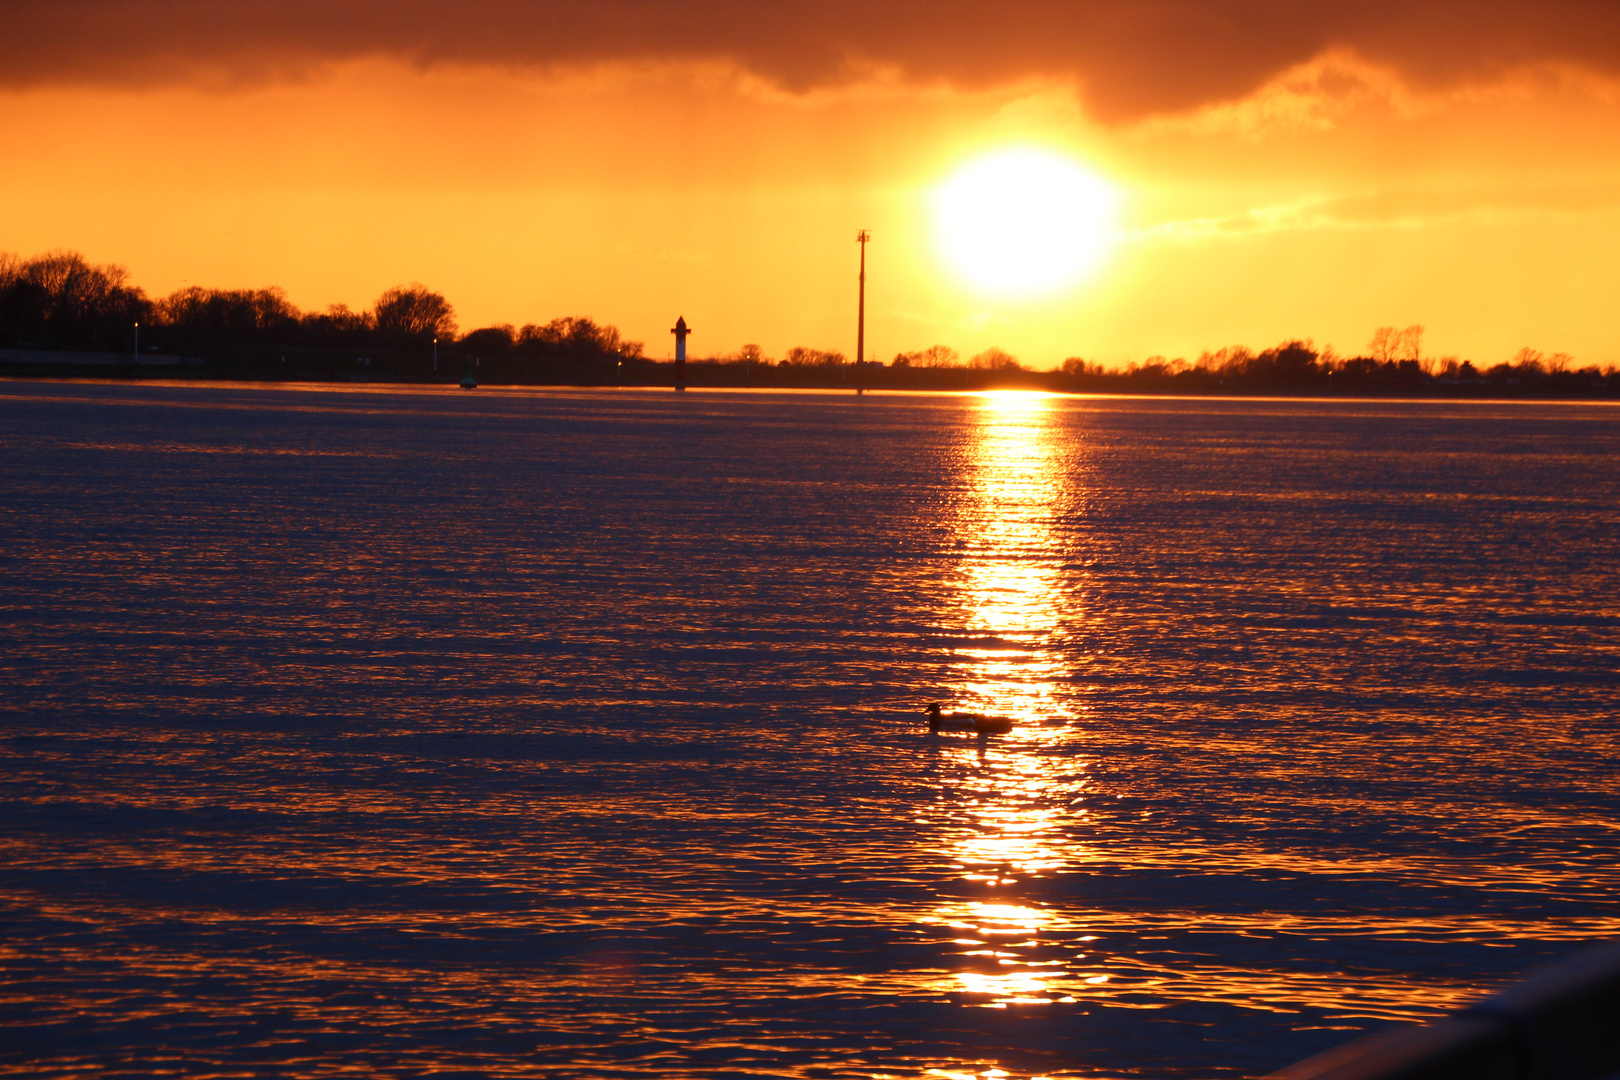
(40, 364)
(54, 306)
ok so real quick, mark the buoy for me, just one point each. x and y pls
(467, 380)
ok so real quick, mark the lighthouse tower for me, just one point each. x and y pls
(680, 332)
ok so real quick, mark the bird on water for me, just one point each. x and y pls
(966, 721)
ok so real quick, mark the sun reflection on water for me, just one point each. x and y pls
(622, 773)
(1012, 563)
(1009, 800)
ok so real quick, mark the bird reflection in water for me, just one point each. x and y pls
(1007, 803)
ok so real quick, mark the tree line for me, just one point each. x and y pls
(1394, 360)
(61, 301)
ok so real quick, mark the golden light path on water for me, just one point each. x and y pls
(1019, 795)
(1011, 809)
(590, 763)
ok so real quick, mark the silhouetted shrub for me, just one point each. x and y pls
(994, 359)
(195, 315)
(800, 356)
(577, 338)
(494, 340)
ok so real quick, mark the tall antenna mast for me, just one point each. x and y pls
(860, 317)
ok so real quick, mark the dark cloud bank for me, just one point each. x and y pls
(1134, 56)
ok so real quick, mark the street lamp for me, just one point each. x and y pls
(137, 359)
(435, 356)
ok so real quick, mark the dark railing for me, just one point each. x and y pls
(1562, 1023)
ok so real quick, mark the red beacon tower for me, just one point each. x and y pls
(681, 331)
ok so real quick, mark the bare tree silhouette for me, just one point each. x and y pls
(1410, 344)
(1385, 344)
(800, 356)
(194, 315)
(935, 356)
(414, 311)
(60, 300)
(582, 338)
(994, 359)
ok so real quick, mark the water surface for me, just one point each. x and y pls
(377, 731)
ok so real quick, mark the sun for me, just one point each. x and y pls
(1024, 221)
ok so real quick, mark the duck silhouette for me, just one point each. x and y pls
(966, 721)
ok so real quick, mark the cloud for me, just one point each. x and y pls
(1396, 211)
(1132, 58)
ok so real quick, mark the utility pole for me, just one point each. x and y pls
(860, 312)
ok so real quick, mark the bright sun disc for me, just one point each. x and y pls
(1023, 222)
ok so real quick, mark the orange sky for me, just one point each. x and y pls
(1329, 196)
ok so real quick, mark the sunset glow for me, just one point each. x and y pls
(1031, 185)
(660, 540)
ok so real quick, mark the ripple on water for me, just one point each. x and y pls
(579, 733)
